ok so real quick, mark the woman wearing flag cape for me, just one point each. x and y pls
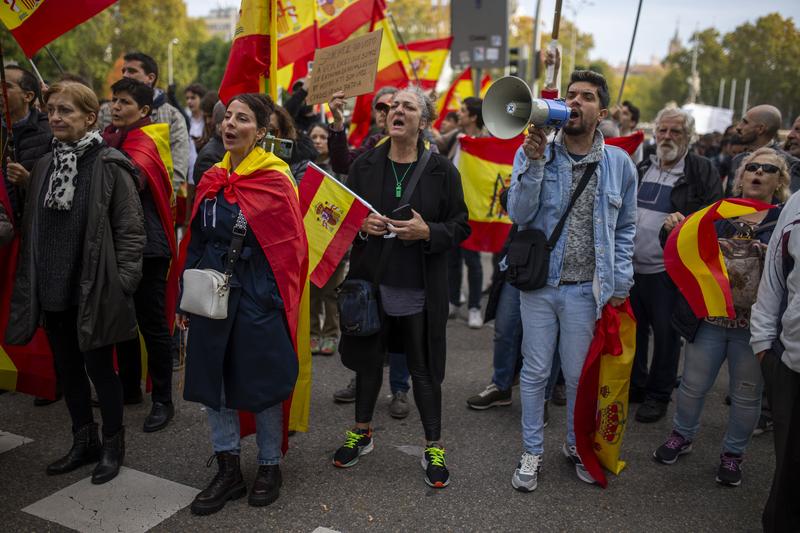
(410, 269)
(247, 361)
(711, 340)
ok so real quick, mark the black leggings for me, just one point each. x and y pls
(73, 365)
(427, 390)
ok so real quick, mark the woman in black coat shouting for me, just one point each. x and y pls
(412, 284)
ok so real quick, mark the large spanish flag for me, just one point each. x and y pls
(252, 63)
(332, 215)
(601, 403)
(485, 166)
(338, 19)
(391, 72)
(148, 147)
(28, 369)
(461, 88)
(694, 260)
(263, 188)
(427, 60)
(34, 23)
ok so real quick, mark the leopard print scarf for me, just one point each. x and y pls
(61, 187)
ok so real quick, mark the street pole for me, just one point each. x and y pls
(630, 53)
(733, 95)
(721, 92)
(170, 71)
(746, 96)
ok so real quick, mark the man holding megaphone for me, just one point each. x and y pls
(575, 203)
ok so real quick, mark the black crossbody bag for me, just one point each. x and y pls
(529, 251)
(359, 300)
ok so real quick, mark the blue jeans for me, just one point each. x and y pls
(269, 432)
(398, 373)
(553, 317)
(712, 345)
(508, 342)
(474, 276)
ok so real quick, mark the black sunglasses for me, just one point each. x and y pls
(766, 167)
(380, 106)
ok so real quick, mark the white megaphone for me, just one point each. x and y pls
(509, 107)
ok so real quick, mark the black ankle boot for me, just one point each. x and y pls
(228, 484)
(267, 486)
(85, 449)
(110, 459)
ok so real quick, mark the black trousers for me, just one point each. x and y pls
(73, 367)
(427, 390)
(782, 511)
(652, 299)
(149, 300)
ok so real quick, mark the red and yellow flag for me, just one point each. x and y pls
(694, 260)
(34, 23)
(461, 88)
(427, 60)
(332, 215)
(28, 369)
(252, 63)
(391, 72)
(485, 166)
(601, 403)
(338, 19)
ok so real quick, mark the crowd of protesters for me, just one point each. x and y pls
(99, 258)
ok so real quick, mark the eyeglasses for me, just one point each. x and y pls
(766, 167)
(382, 107)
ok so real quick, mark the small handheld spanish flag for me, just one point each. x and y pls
(694, 260)
(332, 216)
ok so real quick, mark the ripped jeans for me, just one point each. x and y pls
(712, 345)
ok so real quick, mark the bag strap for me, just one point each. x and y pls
(587, 174)
(237, 243)
(386, 251)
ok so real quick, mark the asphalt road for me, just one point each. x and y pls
(386, 491)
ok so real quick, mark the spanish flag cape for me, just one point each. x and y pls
(147, 146)
(263, 188)
(27, 369)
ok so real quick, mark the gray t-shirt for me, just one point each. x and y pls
(579, 260)
(653, 205)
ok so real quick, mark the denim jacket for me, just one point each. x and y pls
(540, 192)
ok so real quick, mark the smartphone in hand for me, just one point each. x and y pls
(402, 213)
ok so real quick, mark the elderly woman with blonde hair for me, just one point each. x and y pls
(762, 176)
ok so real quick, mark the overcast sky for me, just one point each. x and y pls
(611, 21)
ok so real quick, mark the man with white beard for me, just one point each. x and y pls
(672, 184)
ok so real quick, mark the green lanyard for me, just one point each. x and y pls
(398, 190)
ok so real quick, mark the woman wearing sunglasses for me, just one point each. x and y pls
(743, 241)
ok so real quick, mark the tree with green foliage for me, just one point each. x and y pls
(212, 58)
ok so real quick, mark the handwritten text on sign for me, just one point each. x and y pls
(349, 66)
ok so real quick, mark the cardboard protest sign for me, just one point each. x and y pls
(349, 66)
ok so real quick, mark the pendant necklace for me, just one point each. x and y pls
(398, 190)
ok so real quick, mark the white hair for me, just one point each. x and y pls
(688, 120)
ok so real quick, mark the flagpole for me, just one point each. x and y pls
(630, 52)
(343, 186)
(403, 44)
(53, 57)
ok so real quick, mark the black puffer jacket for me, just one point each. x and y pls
(111, 260)
(32, 140)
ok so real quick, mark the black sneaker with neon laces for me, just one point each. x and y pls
(358, 443)
(436, 473)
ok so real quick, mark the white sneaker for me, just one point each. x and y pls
(453, 311)
(526, 475)
(571, 453)
(475, 319)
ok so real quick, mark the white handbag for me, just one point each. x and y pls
(206, 291)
